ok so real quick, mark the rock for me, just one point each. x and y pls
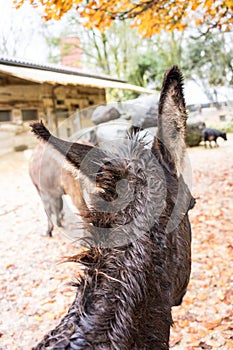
(112, 131)
(194, 131)
(143, 111)
(104, 114)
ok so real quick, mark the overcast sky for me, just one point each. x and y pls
(22, 29)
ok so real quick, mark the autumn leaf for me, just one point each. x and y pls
(212, 324)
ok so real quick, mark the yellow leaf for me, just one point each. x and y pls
(38, 318)
(183, 323)
(213, 324)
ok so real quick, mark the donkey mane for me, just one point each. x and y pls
(137, 260)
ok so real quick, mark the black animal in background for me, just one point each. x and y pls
(137, 259)
(212, 135)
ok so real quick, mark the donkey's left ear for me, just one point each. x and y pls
(170, 139)
(72, 151)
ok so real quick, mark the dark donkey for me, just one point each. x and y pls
(138, 258)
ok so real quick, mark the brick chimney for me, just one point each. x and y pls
(71, 52)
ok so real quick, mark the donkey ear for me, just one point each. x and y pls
(170, 139)
(74, 152)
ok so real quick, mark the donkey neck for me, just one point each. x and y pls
(124, 301)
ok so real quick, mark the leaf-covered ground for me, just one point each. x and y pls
(34, 290)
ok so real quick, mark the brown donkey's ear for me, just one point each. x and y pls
(170, 139)
(74, 152)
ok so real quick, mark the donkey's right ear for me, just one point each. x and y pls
(170, 140)
(74, 152)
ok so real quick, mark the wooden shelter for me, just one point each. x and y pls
(61, 96)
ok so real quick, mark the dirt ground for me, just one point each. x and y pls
(34, 290)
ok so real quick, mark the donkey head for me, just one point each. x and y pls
(114, 179)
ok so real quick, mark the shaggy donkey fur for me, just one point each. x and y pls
(138, 257)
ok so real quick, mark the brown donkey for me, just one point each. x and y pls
(137, 261)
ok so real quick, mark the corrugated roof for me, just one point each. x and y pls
(55, 68)
(54, 77)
